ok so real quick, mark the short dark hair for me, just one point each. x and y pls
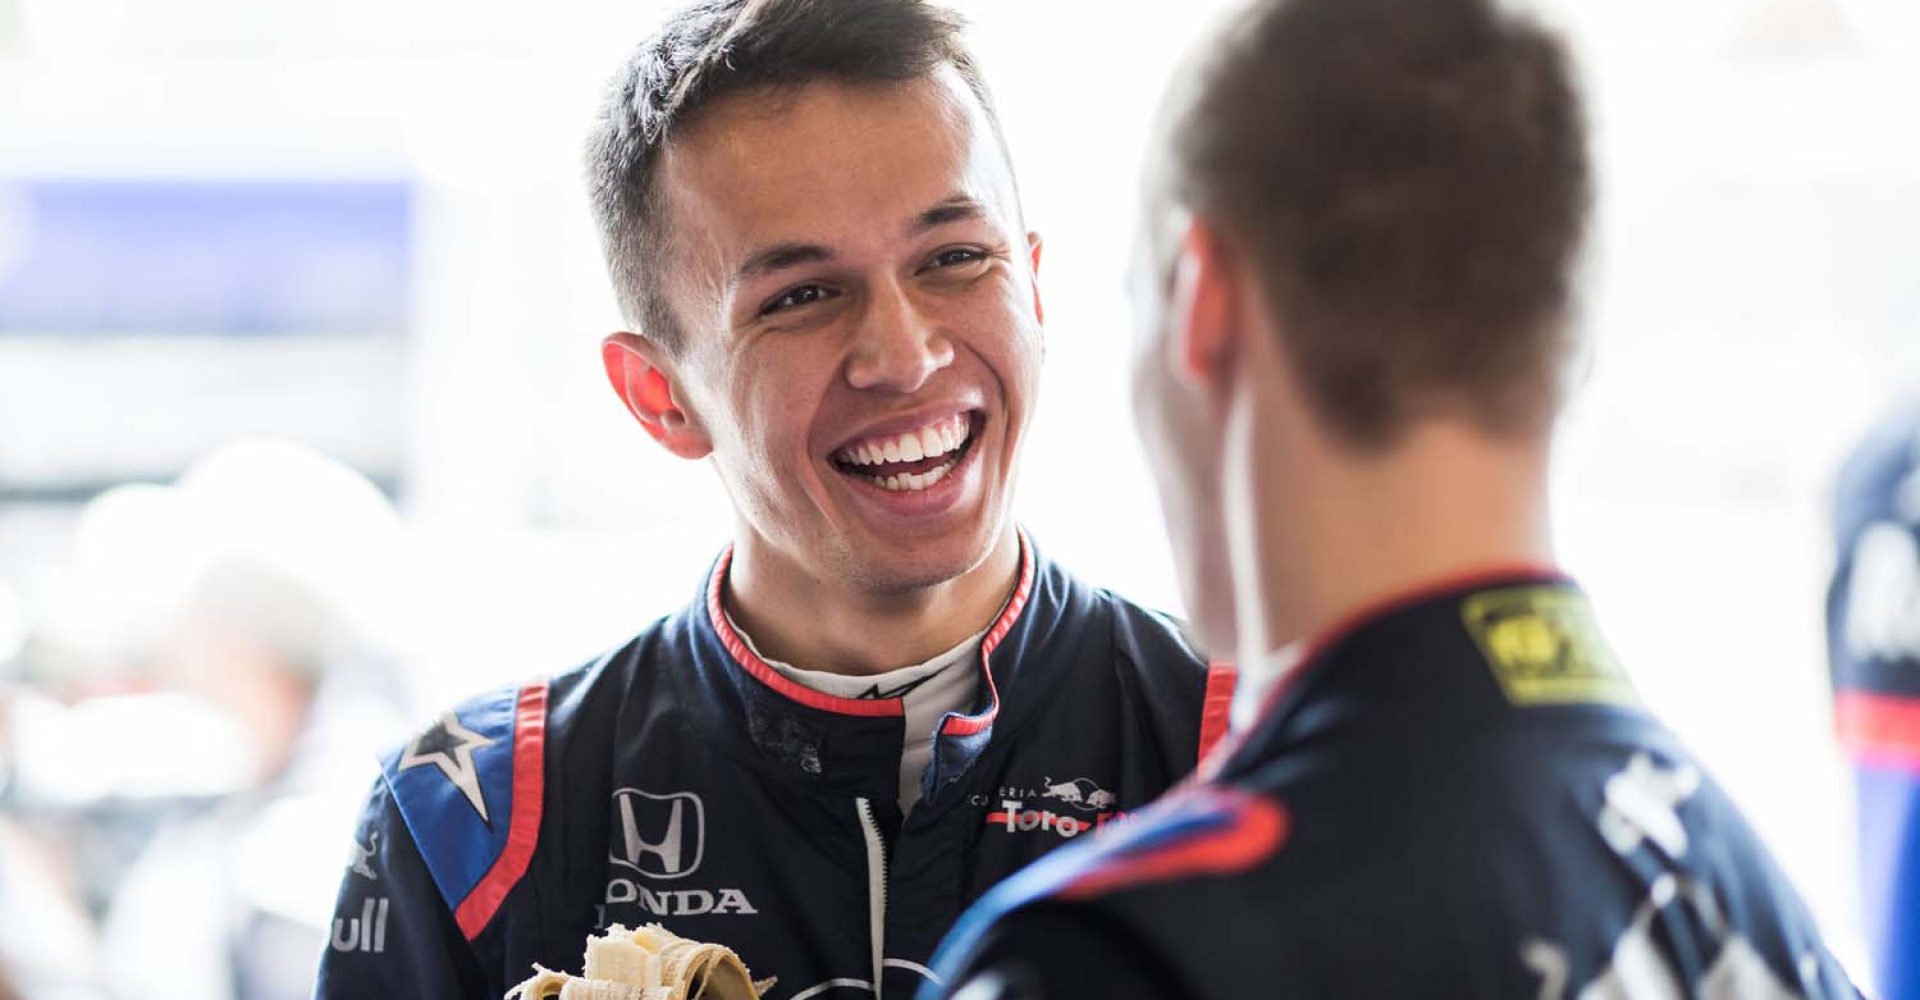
(1410, 180)
(716, 48)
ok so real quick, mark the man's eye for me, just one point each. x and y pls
(805, 295)
(957, 256)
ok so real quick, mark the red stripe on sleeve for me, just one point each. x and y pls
(523, 830)
(1257, 828)
(1217, 707)
(1879, 727)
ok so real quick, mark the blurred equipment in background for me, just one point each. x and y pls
(213, 674)
(145, 321)
(1873, 628)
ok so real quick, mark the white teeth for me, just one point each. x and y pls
(912, 446)
(913, 482)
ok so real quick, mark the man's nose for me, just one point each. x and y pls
(898, 347)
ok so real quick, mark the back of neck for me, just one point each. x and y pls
(1349, 531)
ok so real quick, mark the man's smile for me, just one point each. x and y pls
(912, 459)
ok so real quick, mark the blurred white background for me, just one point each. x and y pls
(1753, 303)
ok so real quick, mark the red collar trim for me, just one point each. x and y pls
(737, 647)
(1476, 578)
(967, 725)
(745, 656)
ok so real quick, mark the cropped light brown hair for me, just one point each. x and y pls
(1410, 180)
(718, 48)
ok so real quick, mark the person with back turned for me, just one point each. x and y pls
(1357, 287)
(1873, 645)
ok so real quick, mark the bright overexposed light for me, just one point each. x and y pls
(73, 26)
(289, 505)
(13, 622)
(135, 553)
(16, 222)
(1890, 27)
(128, 747)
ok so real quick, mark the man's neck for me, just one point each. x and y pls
(1444, 502)
(844, 628)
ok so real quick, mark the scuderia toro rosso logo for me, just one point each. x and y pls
(661, 838)
(1064, 808)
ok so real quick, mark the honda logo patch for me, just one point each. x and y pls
(659, 836)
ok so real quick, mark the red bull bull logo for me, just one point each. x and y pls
(1083, 794)
(1066, 791)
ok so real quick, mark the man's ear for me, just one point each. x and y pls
(1034, 245)
(638, 370)
(1204, 305)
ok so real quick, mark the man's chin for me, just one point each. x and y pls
(904, 565)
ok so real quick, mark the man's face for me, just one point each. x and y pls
(861, 324)
(1181, 420)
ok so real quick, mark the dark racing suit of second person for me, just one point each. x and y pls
(1455, 794)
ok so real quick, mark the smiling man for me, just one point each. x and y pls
(883, 699)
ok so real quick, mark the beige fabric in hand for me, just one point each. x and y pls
(651, 963)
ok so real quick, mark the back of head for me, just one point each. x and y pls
(1409, 179)
(715, 49)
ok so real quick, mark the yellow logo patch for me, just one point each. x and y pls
(1544, 647)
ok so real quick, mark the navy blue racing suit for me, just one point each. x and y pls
(683, 781)
(1873, 637)
(1456, 795)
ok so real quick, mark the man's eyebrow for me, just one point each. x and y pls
(958, 208)
(779, 257)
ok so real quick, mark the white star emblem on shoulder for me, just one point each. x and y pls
(449, 746)
(1642, 802)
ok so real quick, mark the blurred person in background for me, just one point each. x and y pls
(47, 938)
(1363, 218)
(883, 699)
(1873, 634)
(219, 750)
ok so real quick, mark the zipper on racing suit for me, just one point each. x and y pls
(876, 889)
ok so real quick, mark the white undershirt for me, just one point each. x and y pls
(1256, 680)
(927, 692)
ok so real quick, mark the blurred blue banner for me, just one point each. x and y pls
(236, 258)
